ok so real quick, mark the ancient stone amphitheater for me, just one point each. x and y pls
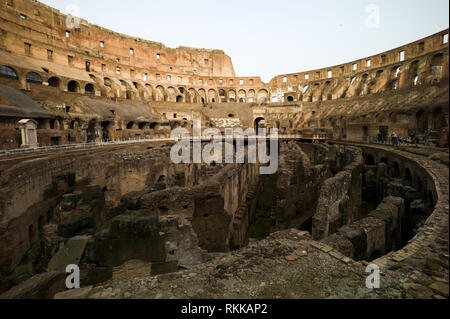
(86, 176)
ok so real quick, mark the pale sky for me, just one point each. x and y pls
(267, 38)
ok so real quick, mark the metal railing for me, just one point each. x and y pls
(44, 149)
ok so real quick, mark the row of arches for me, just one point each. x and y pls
(426, 70)
(35, 78)
(110, 87)
(399, 170)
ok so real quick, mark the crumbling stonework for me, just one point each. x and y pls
(140, 226)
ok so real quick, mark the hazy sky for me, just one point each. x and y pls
(267, 38)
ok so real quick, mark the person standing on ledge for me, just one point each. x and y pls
(394, 139)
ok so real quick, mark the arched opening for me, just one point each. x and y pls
(179, 99)
(290, 98)
(130, 125)
(162, 179)
(52, 124)
(74, 124)
(73, 86)
(91, 131)
(89, 89)
(407, 176)
(436, 66)
(395, 170)
(438, 119)
(54, 82)
(392, 117)
(365, 133)
(413, 75)
(370, 161)
(33, 77)
(105, 130)
(422, 121)
(259, 123)
(7, 72)
(128, 95)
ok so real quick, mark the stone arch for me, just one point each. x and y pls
(251, 94)
(380, 118)
(8, 72)
(160, 93)
(149, 90)
(73, 86)
(258, 122)
(370, 161)
(107, 82)
(212, 96)
(202, 96)
(91, 134)
(33, 77)
(89, 89)
(422, 120)
(232, 96)
(54, 82)
(393, 117)
(436, 66)
(263, 96)
(171, 94)
(439, 121)
(242, 96)
(74, 124)
(193, 95)
(413, 75)
(106, 130)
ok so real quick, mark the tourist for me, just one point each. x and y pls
(394, 139)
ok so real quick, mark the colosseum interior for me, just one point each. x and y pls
(86, 176)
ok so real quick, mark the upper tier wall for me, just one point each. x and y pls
(34, 39)
(45, 29)
(406, 52)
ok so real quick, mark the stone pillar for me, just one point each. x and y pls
(83, 132)
(28, 133)
(98, 133)
(430, 121)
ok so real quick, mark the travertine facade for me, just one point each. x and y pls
(125, 201)
(100, 85)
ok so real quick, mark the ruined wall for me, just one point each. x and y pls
(373, 236)
(340, 196)
(299, 179)
(87, 190)
(100, 85)
(405, 195)
(31, 190)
